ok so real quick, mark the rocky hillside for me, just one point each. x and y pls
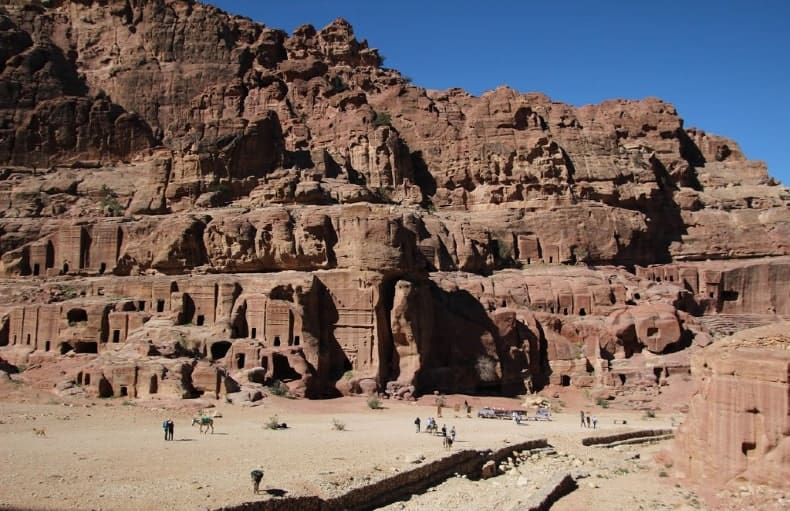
(197, 203)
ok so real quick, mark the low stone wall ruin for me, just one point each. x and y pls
(647, 434)
(390, 489)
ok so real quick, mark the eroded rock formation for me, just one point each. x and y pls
(737, 428)
(194, 203)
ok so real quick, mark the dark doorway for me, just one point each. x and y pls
(65, 348)
(582, 312)
(240, 358)
(219, 349)
(276, 340)
(253, 332)
(160, 306)
(153, 385)
(75, 316)
(565, 380)
(36, 269)
(46, 346)
(296, 340)
(116, 336)
(200, 320)
(282, 370)
(102, 268)
(124, 392)
(86, 347)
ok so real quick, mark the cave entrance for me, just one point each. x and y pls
(160, 306)
(240, 359)
(200, 320)
(65, 347)
(565, 380)
(36, 269)
(86, 347)
(282, 370)
(124, 391)
(76, 316)
(153, 385)
(219, 349)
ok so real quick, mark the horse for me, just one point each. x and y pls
(208, 422)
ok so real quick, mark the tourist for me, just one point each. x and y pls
(582, 414)
(256, 476)
(444, 430)
(595, 422)
(417, 423)
(166, 428)
(452, 433)
(588, 420)
(467, 408)
(170, 428)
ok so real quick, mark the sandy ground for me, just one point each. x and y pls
(110, 454)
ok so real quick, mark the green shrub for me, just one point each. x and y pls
(338, 85)
(108, 201)
(382, 119)
(374, 403)
(663, 473)
(278, 388)
(603, 403)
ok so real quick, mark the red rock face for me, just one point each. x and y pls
(283, 208)
(737, 428)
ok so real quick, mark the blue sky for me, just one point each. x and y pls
(724, 64)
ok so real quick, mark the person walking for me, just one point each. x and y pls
(166, 428)
(170, 428)
(444, 430)
(595, 422)
(452, 433)
(588, 420)
(582, 414)
(417, 424)
(256, 476)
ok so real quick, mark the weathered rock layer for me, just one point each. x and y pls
(194, 203)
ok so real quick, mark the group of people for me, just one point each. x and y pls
(589, 421)
(432, 427)
(168, 426)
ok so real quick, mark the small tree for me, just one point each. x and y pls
(108, 200)
(374, 403)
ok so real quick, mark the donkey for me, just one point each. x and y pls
(202, 422)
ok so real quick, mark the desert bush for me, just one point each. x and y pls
(650, 414)
(338, 425)
(108, 201)
(272, 423)
(374, 403)
(603, 403)
(278, 388)
(382, 119)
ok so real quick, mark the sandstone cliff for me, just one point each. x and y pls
(179, 182)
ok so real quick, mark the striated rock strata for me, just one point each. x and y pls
(192, 203)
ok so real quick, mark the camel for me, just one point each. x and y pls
(208, 422)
